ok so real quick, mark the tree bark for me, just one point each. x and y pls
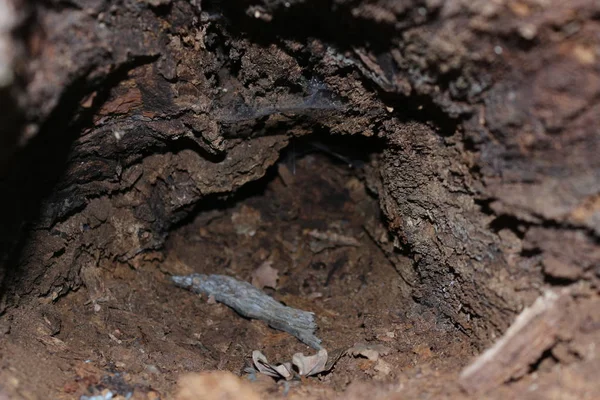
(129, 116)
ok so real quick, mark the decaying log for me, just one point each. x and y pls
(536, 329)
(487, 114)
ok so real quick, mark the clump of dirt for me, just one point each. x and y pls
(305, 234)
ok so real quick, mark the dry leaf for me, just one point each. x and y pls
(275, 370)
(370, 351)
(304, 365)
(310, 365)
(265, 276)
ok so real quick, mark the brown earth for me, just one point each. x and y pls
(455, 141)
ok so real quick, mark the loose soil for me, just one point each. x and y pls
(143, 139)
(139, 333)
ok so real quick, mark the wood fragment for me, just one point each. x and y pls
(334, 238)
(251, 302)
(534, 331)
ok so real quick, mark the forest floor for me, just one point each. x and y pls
(304, 235)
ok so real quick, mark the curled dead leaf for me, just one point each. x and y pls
(263, 366)
(310, 365)
(301, 365)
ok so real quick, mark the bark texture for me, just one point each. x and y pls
(487, 113)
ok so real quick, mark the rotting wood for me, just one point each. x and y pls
(518, 85)
(132, 123)
(535, 330)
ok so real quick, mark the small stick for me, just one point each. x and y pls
(251, 302)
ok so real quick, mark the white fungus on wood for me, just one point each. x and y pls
(251, 302)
